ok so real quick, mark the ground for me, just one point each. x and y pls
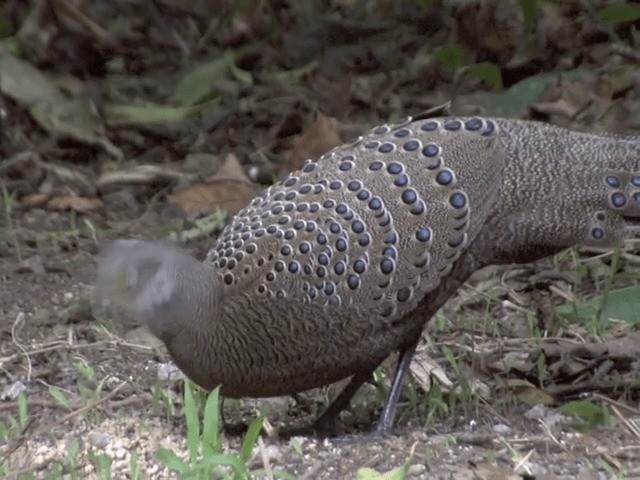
(154, 123)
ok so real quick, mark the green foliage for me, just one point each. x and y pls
(588, 414)
(529, 9)
(205, 449)
(620, 13)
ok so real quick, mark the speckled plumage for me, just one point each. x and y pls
(324, 274)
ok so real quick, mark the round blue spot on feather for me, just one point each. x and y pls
(429, 126)
(375, 203)
(335, 185)
(309, 167)
(359, 266)
(409, 196)
(294, 267)
(339, 268)
(411, 145)
(386, 148)
(418, 209)
(354, 185)
(635, 181)
(445, 177)
(430, 150)
(473, 124)
(612, 181)
(403, 294)
(597, 233)
(403, 132)
(341, 209)
(363, 195)
(305, 189)
(357, 226)
(341, 245)
(328, 203)
(323, 259)
(390, 252)
(386, 266)
(394, 168)
(618, 199)
(401, 180)
(375, 166)
(371, 145)
(364, 240)
(353, 281)
(345, 166)
(290, 182)
(458, 200)
(423, 234)
(453, 125)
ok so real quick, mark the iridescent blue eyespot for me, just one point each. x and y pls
(473, 124)
(418, 209)
(445, 177)
(411, 145)
(452, 125)
(458, 200)
(381, 130)
(618, 199)
(374, 166)
(289, 235)
(305, 189)
(290, 181)
(341, 209)
(359, 266)
(323, 259)
(321, 272)
(403, 294)
(298, 224)
(357, 226)
(429, 126)
(339, 268)
(318, 189)
(321, 239)
(354, 185)
(423, 234)
(394, 168)
(389, 252)
(386, 266)
(371, 145)
(353, 281)
(305, 247)
(597, 233)
(309, 167)
(329, 288)
(285, 250)
(345, 166)
(409, 196)
(403, 132)
(290, 196)
(430, 150)
(277, 210)
(612, 181)
(341, 245)
(386, 148)
(335, 185)
(375, 203)
(335, 228)
(456, 241)
(635, 181)
(391, 238)
(328, 203)
(364, 240)
(294, 267)
(363, 195)
(401, 180)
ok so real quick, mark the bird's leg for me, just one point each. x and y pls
(385, 422)
(325, 423)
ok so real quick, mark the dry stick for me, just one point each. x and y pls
(14, 338)
(265, 460)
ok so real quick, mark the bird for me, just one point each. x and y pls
(326, 273)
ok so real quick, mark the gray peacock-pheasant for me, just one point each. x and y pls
(325, 274)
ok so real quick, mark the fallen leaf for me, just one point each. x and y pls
(229, 190)
(72, 202)
(318, 139)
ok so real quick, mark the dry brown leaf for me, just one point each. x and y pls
(229, 189)
(72, 202)
(34, 200)
(318, 139)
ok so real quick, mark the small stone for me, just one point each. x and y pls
(416, 470)
(169, 372)
(501, 428)
(99, 439)
(536, 412)
(12, 391)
